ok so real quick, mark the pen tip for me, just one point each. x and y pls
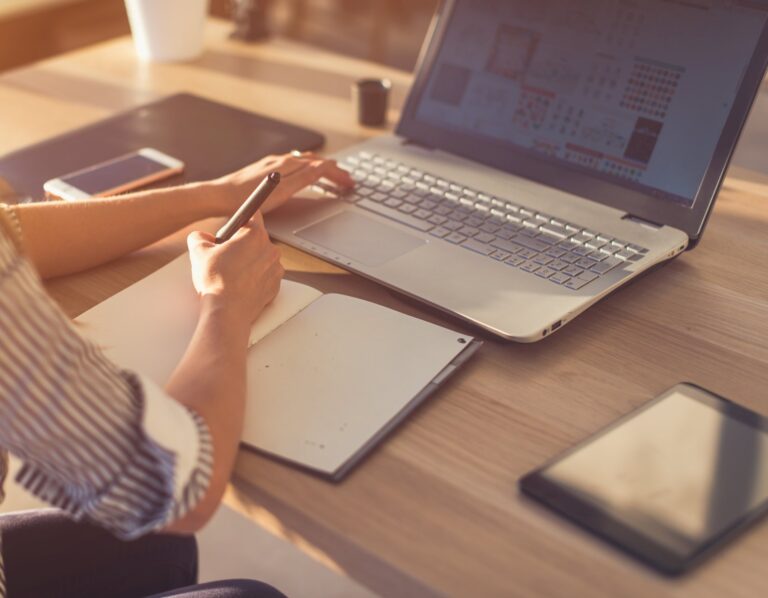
(274, 177)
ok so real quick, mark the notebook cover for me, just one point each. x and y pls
(212, 139)
(329, 377)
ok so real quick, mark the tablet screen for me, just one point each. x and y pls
(680, 472)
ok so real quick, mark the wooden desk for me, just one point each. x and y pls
(436, 510)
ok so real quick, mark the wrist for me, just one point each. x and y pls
(217, 197)
(220, 314)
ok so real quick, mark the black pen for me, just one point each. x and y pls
(250, 206)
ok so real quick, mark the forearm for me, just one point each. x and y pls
(210, 379)
(64, 237)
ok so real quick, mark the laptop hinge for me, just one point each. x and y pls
(417, 144)
(642, 222)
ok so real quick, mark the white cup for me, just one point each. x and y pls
(167, 30)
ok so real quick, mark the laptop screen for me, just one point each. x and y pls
(632, 92)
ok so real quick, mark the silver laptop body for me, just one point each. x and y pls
(521, 240)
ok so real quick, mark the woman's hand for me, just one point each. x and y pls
(241, 276)
(297, 171)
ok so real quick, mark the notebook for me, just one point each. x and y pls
(328, 375)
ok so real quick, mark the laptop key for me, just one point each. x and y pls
(575, 284)
(559, 278)
(527, 253)
(437, 219)
(542, 259)
(474, 221)
(555, 252)
(484, 237)
(507, 246)
(440, 232)
(558, 265)
(548, 239)
(624, 254)
(392, 202)
(534, 244)
(452, 225)
(514, 260)
(500, 255)
(379, 196)
(443, 210)
(422, 213)
(595, 243)
(570, 258)
(490, 227)
(469, 231)
(395, 215)
(605, 266)
(555, 232)
(572, 270)
(478, 247)
(545, 272)
(455, 238)
(530, 266)
(428, 204)
(407, 208)
(585, 263)
(412, 199)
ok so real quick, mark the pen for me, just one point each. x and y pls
(250, 206)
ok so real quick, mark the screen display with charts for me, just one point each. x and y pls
(633, 91)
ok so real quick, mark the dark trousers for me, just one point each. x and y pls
(48, 554)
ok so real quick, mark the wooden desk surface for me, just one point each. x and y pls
(436, 510)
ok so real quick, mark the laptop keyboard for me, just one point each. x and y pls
(561, 252)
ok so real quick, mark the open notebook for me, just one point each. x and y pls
(328, 375)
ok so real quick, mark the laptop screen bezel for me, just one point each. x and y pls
(688, 218)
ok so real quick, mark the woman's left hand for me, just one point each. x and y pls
(297, 171)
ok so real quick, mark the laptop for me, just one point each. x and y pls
(548, 153)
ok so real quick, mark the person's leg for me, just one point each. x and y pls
(48, 554)
(230, 588)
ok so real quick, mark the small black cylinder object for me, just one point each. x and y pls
(371, 97)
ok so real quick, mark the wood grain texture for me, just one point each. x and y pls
(436, 510)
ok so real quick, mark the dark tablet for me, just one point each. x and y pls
(211, 139)
(669, 482)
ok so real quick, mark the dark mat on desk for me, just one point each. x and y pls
(210, 138)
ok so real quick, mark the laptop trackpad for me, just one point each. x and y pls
(360, 238)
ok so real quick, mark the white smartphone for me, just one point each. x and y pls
(115, 176)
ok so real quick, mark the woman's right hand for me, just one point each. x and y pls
(241, 275)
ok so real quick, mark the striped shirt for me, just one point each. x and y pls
(104, 445)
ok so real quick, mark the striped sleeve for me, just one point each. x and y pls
(100, 443)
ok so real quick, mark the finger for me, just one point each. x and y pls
(315, 171)
(289, 165)
(197, 239)
(339, 176)
(334, 173)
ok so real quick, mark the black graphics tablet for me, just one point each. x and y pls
(211, 139)
(670, 482)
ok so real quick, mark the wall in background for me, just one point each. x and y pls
(386, 31)
(36, 30)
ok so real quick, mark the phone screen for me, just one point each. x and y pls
(114, 174)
